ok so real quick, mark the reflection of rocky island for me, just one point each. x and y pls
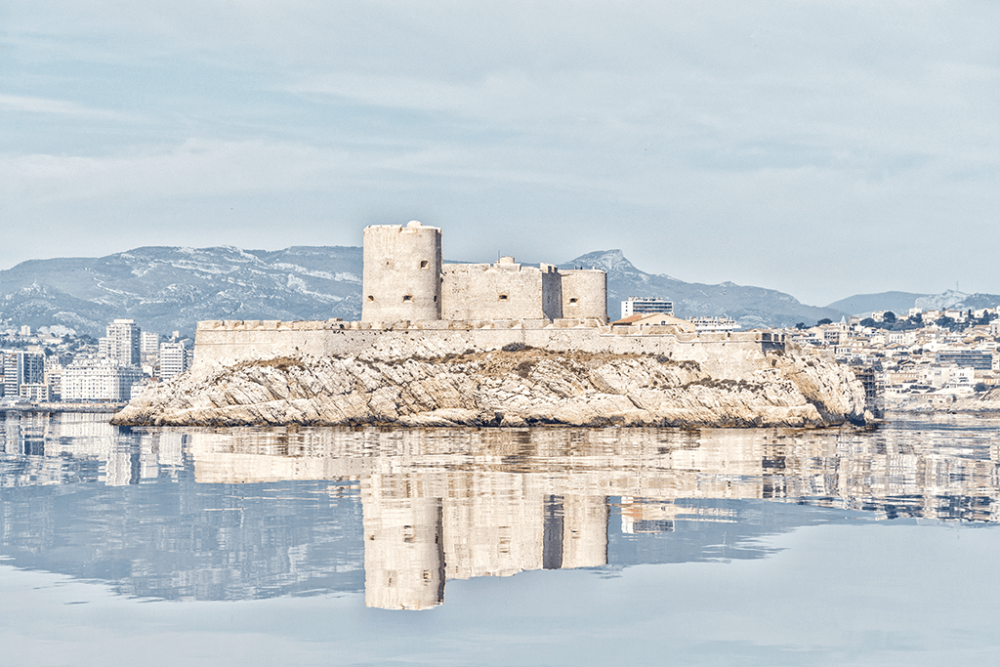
(491, 345)
(254, 513)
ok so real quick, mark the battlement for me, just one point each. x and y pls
(725, 355)
(414, 306)
(338, 324)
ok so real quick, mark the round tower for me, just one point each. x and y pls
(585, 294)
(402, 273)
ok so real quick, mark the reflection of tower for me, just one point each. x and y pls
(585, 531)
(402, 273)
(575, 532)
(404, 547)
(421, 529)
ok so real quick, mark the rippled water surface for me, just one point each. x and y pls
(494, 547)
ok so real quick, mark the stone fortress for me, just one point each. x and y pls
(406, 281)
(490, 345)
(413, 304)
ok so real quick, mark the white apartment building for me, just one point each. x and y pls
(101, 380)
(714, 324)
(53, 378)
(901, 337)
(122, 342)
(36, 393)
(173, 360)
(639, 305)
(149, 343)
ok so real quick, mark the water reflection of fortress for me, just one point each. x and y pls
(533, 499)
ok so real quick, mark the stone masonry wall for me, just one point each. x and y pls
(402, 273)
(724, 355)
(501, 291)
(585, 294)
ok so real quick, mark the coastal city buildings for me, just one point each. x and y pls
(149, 343)
(54, 365)
(925, 360)
(20, 368)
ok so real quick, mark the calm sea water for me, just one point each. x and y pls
(496, 547)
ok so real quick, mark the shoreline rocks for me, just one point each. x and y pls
(505, 388)
(985, 403)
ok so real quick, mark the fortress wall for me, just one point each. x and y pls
(585, 294)
(501, 291)
(233, 341)
(402, 273)
(725, 356)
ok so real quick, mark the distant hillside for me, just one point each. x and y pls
(898, 302)
(958, 301)
(901, 302)
(750, 306)
(166, 289)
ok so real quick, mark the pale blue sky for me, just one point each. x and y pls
(819, 148)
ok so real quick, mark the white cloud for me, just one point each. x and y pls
(41, 105)
(671, 122)
(195, 168)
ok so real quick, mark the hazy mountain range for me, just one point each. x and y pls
(170, 289)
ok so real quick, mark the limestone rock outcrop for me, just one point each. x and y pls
(987, 402)
(505, 388)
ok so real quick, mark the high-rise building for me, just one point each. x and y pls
(21, 367)
(149, 343)
(173, 360)
(122, 342)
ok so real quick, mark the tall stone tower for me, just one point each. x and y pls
(402, 273)
(585, 294)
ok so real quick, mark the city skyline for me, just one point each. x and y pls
(821, 150)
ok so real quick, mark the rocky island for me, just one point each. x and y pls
(514, 387)
(492, 345)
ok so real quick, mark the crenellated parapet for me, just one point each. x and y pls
(415, 306)
(272, 325)
(227, 342)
